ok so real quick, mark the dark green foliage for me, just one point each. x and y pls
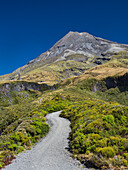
(92, 85)
(113, 94)
(41, 128)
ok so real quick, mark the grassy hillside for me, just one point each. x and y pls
(51, 71)
(96, 103)
(108, 81)
(117, 66)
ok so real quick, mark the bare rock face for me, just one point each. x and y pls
(80, 43)
(21, 86)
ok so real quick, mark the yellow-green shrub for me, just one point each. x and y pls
(107, 152)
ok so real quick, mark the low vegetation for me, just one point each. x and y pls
(22, 123)
(99, 136)
(95, 102)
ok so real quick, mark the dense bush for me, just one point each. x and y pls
(21, 125)
(98, 135)
(99, 130)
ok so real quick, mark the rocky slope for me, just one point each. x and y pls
(18, 86)
(70, 56)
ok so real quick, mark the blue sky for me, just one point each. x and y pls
(30, 27)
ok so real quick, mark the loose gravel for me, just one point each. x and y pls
(50, 153)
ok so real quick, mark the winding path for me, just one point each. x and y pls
(50, 153)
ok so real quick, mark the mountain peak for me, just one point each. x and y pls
(84, 42)
(81, 43)
(78, 33)
(75, 39)
(80, 47)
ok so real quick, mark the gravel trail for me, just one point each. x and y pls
(50, 152)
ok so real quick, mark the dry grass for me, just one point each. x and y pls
(109, 69)
(54, 72)
(103, 72)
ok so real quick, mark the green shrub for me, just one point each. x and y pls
(1, 165)
(101, 143)
(20, 149)
(124, 162)
(107, 152)
(94, 137)
(114, 140)
(94, 126)
(12, 147)
(124, 120)
(125, 155)
(38, 130)
(15, 137)
(118, 161)
(109, 119)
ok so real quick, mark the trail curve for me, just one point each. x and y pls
(50, 153)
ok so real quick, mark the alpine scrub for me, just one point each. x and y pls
(22, 125)
(99, 133)
(27, 131)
